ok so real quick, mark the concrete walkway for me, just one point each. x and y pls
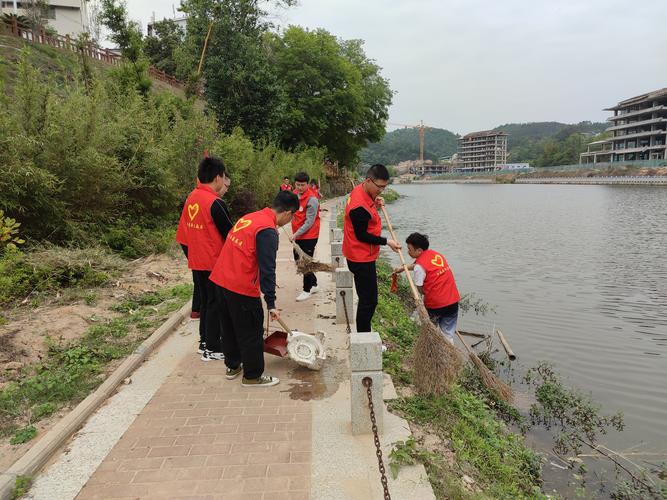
(202, 436)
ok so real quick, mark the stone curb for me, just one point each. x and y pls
(42, 451)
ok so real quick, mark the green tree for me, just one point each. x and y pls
(241, 84)
(336, 97)
(127, 35)
(161, 47)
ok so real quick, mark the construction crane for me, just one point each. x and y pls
(422, 128)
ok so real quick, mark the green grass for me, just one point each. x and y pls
(21, 487)
(468, 417)
(72, 370)
(23, 435)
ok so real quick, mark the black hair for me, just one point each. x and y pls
(313, 181)
(286, 201)
(378, 172)
(418, 240)
(285, 178)
(301, 177)
(209, 169)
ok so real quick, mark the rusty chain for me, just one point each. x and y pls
(347, 318)
(368, 383)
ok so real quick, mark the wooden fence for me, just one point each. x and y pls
(90, 49)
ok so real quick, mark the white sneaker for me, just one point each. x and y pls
(315, 289)
(303, 296)
(212, 356)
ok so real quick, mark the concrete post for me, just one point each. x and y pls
(337, 259)
(365, 362)
(344, 296)
(333, 223)
(337, 235)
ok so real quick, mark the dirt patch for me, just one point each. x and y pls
(23, 338)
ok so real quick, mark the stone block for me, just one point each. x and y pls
(337, 235)
(360, 414)
(337, 261)
(347, 297)
(344, 278)
(333, 223)
(337, 248)
(365, 351)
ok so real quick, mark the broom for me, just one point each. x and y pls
(306, 264)
(490, 381)
(437, 362)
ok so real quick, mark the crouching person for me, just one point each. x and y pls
(246, 269)
(434, 279)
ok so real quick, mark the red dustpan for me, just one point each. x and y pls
(276, 344)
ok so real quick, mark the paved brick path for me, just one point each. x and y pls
(203, 436)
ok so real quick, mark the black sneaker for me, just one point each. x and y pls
(263, 381)
(232, 373)
(202, 348)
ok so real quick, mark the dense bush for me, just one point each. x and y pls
(82, 164)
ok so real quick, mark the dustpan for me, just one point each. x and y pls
(305, 349)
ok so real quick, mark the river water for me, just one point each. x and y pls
(577, 276)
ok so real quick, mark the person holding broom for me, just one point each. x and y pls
(245, 269)
(362, 239)
(435, 281)
(202, 230)
(306, 229)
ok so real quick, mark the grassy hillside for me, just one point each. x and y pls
(403, 144)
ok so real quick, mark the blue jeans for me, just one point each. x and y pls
(446, 322)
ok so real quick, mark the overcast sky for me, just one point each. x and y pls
(468, 65)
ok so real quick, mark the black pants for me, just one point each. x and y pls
(366, 285)
(242, 331)
(196, 299)
(308, 247)
(209, 319)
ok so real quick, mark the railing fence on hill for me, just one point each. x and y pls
(89, 49)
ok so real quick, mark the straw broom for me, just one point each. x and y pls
(490, 381)
(437, 363)
(306, 264)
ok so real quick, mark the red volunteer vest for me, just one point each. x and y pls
(300, 217)
(237, 269)
(197, 230)
(439, 285)
(285, 187)
(353, 249)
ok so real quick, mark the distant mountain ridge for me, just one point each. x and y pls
(525, 143)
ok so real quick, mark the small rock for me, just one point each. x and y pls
(13, 365)
(127, 381)
(468, 480)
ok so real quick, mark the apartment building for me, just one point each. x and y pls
(638, 128)
(67, 17)
(482, 151)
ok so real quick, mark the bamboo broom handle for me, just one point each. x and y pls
(464, 343)
(282, 323)
(296, 247)
(506, 346)
(400, 254)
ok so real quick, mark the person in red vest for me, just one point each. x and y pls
(286, 186)
(252, 245)
(202, 230)
(306, 229)
(434, 279)
(315, 188)
(361, 241)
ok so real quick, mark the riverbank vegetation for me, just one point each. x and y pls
(472, 443)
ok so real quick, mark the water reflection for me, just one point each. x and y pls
(578, 275)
